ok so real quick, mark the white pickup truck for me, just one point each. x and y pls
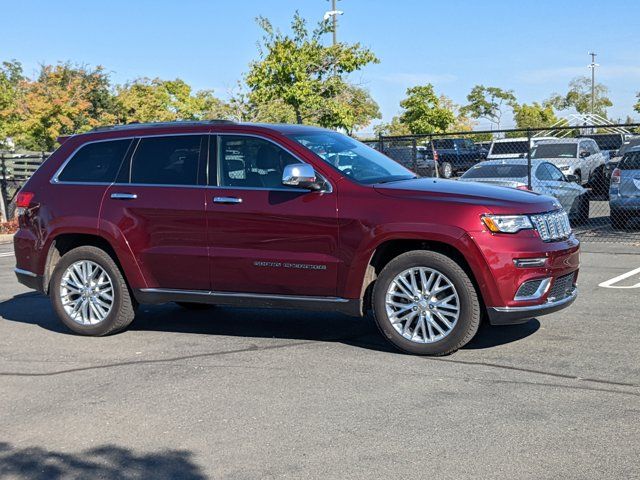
(573, 156)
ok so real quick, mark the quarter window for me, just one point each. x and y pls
(95, 162)
(251, 162)
(171, 160)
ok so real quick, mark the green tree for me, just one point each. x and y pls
(302, 73)
(350, 109)
(157, 100)
(64, 99)
(488, 103)
(534, 116)
(11, 89)
(394, 127)
(425, 112)
(579, 97)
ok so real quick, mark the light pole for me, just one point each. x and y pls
(593, 66)
(333, 14)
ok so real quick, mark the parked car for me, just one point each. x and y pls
(608, 143)
(610, 166)
(546, 179)
(404, 155)
(573, 156)
(508, 148)
(454, 155)
(271, 216)
(624, 192)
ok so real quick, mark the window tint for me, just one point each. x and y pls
(171, 160)
(549, 172)
(631, 161)
(96, 162)
(251, 162)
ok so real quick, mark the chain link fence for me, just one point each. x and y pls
(15, 170)
(593, 171)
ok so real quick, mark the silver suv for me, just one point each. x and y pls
(573, 156)
(624, 193)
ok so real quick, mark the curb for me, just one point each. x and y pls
(6, 238)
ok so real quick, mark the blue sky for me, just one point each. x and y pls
(532, 47)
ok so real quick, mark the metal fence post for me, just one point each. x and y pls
(381, 143)
(4, 205)
(414, 155)
(529, 159)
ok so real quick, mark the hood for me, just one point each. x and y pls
(497, 199)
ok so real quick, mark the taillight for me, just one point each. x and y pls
(615, 176)
(23, 201)
(435, 155)
(523, 187)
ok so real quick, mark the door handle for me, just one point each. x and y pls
(124, 196)
(227, 200)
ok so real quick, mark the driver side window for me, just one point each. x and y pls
(250, 162)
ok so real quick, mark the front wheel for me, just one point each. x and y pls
(89, 293)
(424, 303)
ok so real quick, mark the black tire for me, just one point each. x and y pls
(194, 305)
(618, 219)
(123, 307)
(599, 183)
(446, 170)
(581, 214)
(470, 311)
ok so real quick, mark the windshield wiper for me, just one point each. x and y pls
(390, 180)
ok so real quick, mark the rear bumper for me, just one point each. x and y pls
(515, 315)
(30, 279)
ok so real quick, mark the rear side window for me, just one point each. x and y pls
(631, 161)
(171, 160)
(95, 162)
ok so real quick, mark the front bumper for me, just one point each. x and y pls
(515, 315)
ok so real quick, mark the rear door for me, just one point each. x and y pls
(157, 206)
(265, 237)
(630, 175)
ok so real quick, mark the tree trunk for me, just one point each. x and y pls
(298, 116)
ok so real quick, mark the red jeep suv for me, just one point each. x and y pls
(284, 216)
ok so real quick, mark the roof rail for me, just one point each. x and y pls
(185, 123)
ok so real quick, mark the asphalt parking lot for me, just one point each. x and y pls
(246, 394)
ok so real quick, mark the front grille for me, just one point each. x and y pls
(552, 226)
(561, 288)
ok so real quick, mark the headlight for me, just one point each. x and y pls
(507, 223)
(564, 168)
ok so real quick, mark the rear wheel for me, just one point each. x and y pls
(446, 170)
(89, 293)
(424, 303)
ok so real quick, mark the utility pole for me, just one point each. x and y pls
(593, 66)
(333, 14)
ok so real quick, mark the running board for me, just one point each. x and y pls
(156, 296)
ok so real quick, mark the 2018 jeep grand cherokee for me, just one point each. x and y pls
(284, 216)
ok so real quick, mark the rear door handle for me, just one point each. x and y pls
(227, 200)
(124, 196)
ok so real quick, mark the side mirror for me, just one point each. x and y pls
(301, 175)
(584, 153)
(572, 178)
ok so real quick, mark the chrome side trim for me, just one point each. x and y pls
(124, 196)
(24, 272)
(265, 296)
(532, 308)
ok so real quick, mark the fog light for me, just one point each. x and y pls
(533, 289)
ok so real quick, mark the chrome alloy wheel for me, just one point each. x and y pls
(86, 291)
(422, 305)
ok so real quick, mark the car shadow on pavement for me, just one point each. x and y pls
(35, 309)
(107, 461)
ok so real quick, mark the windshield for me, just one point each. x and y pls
(496, 171)
(354, 159)
(509, 148)
(555, 150)
(627, 145)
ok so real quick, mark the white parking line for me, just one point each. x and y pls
(610, 283)
(6, 254)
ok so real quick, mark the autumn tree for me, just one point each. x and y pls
(579, 97)
(11, 89)
(488, 103)
(157, 100)
(64, 99)
(299, 71)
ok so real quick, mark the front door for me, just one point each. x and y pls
(158, 206)
(265, 237)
